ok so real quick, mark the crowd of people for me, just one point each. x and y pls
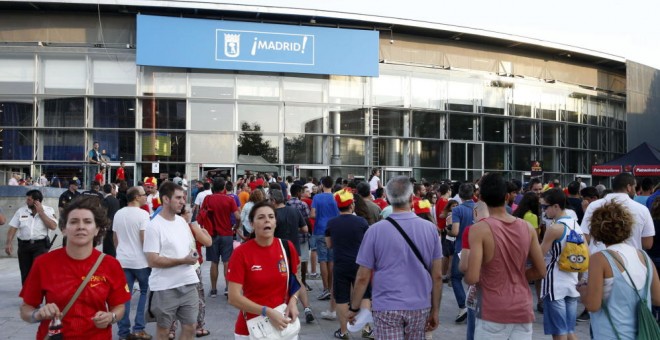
(380, 248)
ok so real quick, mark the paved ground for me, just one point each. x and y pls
(220, 317)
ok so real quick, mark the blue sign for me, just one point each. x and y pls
(216, 44)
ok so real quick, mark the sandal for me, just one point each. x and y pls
(202, 332)
(172, 336)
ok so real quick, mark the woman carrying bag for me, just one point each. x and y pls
(259, 276)
(620, 278)
(86, 309)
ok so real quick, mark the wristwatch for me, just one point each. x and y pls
(354, 310)
(114, 319)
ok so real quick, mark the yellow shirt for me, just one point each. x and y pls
(532, 218)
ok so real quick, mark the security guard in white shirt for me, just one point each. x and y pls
(32, 223)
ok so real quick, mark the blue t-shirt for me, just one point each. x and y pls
(464, 214)
(326, 208)
(232, 218)
(651, 199)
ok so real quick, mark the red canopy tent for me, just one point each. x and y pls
(643, 160)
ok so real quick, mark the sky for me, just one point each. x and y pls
(628, 29)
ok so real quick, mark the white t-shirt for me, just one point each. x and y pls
(201, 196)
(642, 220)
(373, 183)
(171, 239)
(127, 224)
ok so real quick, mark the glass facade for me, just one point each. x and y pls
(438, 123)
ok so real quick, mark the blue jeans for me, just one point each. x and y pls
(471, 319)
(457, 282)
(142, 276)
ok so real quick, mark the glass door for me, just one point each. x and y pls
(389, 173)
(129, 173)
(306, 171)
(214, 171)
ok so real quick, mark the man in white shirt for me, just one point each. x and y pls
(201, 196)
(170, 249)
(643, 230)
(128, 225)
(32, 223)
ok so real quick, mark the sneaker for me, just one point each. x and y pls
(338, 334)
(368, 334)
(141, 335)
(539, 307)
(325, 295)
(213, 293)
(313, 276)
(462, 315)
(584, 316)
(328, 315)
(309, 289)
(445, 278)
(309, 317)
(226, 293)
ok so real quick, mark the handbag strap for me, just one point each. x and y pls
(82, 285)
(286, 261)
(607, 313)
(409, 241)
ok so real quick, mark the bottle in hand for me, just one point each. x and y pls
(55, 330)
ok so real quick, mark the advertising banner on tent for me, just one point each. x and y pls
(646, 170)
(605, 170)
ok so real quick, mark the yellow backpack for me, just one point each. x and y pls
(574, 257)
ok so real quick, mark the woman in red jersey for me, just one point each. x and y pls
(56, 276)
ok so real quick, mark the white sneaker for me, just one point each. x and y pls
(328, 315)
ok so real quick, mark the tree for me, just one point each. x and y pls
(251, 142)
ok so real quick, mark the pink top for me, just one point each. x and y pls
(503, 290)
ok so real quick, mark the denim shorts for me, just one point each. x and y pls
(324, 254)
(222, 248)
(559, 315)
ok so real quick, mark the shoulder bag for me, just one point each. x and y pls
(81, 287)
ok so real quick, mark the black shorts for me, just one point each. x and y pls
(448, 248)
(343, 277)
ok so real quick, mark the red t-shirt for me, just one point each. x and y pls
(465, 242)
(121, 175)
(262, 272)
(381, 203)
(439, 208)
(99, 178)
(221, 206)
(310, 226)
(57, 276)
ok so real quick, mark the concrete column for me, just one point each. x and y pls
(336, 146)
